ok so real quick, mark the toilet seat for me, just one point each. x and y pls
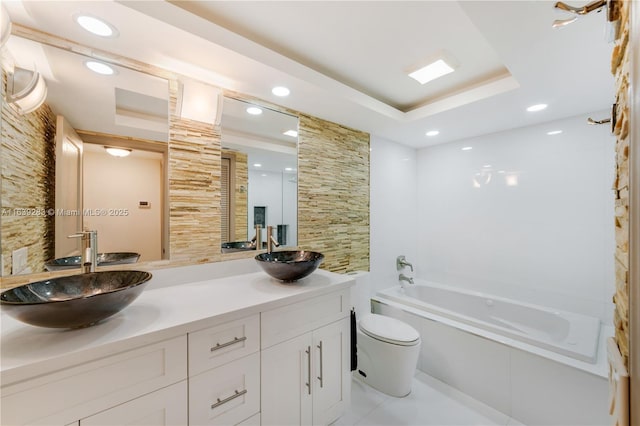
(389, 330)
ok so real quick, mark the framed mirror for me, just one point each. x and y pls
(58, 176)
(259, 175)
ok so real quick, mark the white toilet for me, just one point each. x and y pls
(387, 348)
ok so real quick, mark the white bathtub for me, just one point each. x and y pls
(565, 333)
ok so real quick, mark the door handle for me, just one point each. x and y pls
(320, 377)
(308, 384)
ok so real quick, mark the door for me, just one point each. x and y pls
(332, 378)
(285, 382)
(68, 219)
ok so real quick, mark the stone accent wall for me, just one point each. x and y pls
(620, 63)
(194, 190)
(28, 182)
(242, 195)
(333, 193)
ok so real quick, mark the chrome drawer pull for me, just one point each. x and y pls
(232, 342)
(224, 401)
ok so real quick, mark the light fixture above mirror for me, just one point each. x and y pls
(117, 152)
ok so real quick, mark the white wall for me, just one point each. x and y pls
(275, 191)
(393, 210)
(114, 184)
(522, 215)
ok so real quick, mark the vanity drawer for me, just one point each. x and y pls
(77, 392)
(215, 346)
(293, 320)
(226, 395)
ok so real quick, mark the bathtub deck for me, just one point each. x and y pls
(431, 402)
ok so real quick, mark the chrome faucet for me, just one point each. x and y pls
(403, 277)
(270, 240)
(257, 239)
(401, 262)
(89, 255)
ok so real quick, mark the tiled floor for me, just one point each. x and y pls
(431, 402)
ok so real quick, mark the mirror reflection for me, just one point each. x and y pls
(259, 175)
(59, 173)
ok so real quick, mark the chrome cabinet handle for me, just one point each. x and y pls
(230, 398)
(308, 384)
(229, 343)
(321, 375)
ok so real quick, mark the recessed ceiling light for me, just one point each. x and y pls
(487, 166)
(432, 133)
(257, 165)
(501, 171)
(432, 71)
(554, 132)
(254, 110)
(117, 152)
(288, 169)
(536, 107)
(280, 91)
(467, 148)
(292, 133)
(100, 68)
(264, 175)
(96, 26)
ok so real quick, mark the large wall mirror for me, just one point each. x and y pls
(86, 187)
(259, 174)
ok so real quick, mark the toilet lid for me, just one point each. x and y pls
(389, 330)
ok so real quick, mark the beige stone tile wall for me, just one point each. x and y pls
(28, 182)
(194, 188)
(620, 63)
(333, 193)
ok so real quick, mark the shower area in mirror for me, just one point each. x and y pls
(259, 174)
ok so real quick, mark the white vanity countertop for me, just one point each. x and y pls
(157, 314)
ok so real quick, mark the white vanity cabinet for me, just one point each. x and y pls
(79, 392)
(305, 375)
(164, 407)
(224, 373)
(280, 356)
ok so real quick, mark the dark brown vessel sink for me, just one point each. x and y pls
(74, 301)
(104, 259)
(289, 266)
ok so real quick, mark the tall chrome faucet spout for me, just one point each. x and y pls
(270, 240)
(89, 255)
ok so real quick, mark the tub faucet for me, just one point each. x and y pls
(89, 256)
(403, 277)
(401, 262)
(270, 240)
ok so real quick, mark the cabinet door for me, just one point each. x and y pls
(286, 382)
(166, 406)
(332, 381)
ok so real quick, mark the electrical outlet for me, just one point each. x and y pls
(19, 260)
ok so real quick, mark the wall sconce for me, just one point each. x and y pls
(26, 90)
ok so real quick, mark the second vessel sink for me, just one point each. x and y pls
(289, 265)
(234, 246)
(104, 259)
(74, 301)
